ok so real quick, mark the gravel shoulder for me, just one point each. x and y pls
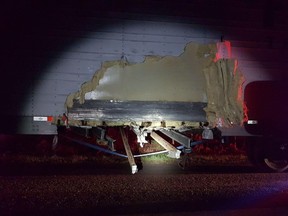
(85, 187)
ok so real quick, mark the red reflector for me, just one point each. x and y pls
(50, 118)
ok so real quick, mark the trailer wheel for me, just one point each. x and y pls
(277, 156)
(268, 154)
(277, 165)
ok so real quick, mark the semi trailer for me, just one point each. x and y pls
(179, 102)
(116, 77)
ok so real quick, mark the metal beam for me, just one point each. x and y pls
(128, 151)
(172, 151)
(180, 138)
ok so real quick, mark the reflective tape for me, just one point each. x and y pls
(40, 118)
(43, 118)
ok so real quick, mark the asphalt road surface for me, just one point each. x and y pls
(157, 189)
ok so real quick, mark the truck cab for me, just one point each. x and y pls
(267, 103)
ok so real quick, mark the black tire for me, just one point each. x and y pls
(268, 153)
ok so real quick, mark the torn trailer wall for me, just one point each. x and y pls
(207, 88)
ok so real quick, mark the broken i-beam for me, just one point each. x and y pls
(172, 151)
(128, 152)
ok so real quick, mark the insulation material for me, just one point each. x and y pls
(193, 76)
(224, 93)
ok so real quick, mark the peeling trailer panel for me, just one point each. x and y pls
(202, 84)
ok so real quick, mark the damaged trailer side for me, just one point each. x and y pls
(167, 95)
(202, 84)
